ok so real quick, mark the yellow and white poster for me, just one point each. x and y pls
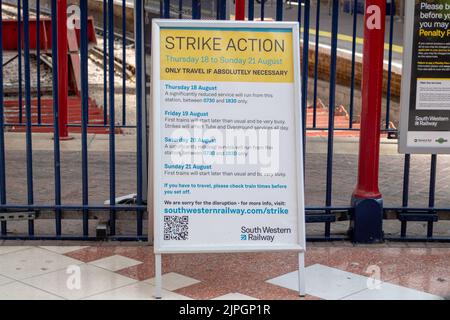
(227, 163)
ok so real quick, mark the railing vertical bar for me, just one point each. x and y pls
(299, 14)
(305, 70)
(29, 143)
(403, 228)
(430, 229)
(112, 138)
(406, 171)
(327, 229)
(196, 9)
(19, 58)
(105, 63)
(432, 195)
(38, 60)
(84, 107)
(405, 197)
(222, 9)
(3, 227)
(251, 10)
(279, 13)
(262, 10)
(166, 9)
(145, 109)
(140, 85)
(124, 60)
(180, 9)
(316, 64)
(56, 141)
(218, 3)
(353, 72)
(334, 32)
(389, 76)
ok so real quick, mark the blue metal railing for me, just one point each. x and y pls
(139, 119)
(112, 119)
(352, 83)
(19, 64)
(105, 63)
(309, 13)
(316, 65)
(124, 60)
(84, 118)
(327, 214)
(56, 142)
(29, 146)
(391, 41)
(34, 119)
(2, 130)
(38, 59)
(330, 149)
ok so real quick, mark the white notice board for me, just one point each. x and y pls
(226, 135)
(425, 93)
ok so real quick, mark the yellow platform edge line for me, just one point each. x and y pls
(346, 38)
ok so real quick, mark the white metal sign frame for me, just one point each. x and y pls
(155, 163)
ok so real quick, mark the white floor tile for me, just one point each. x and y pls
(234, 296)
(115, 263)
(136, 291)
(390, 291)
(32, 262)
(174, 281)
(92, 280)
(4, 280)
(324, 282)
(63, 249)
(9, 249)
(20, 291)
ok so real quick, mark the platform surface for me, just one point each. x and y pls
(126, 272)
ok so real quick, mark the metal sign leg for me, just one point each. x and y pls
(158, 277)
(301, 274)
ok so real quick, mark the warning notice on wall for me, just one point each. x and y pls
(425, 123)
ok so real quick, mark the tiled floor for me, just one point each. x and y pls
(111, 273)
(173, 281)
(115, 263)
(334, 284)
(24, 264)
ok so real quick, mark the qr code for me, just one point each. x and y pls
(176, 227)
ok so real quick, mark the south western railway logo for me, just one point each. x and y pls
(264, 233)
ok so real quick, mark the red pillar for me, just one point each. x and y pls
(240, 9)
(63, 82)
(372, 89)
